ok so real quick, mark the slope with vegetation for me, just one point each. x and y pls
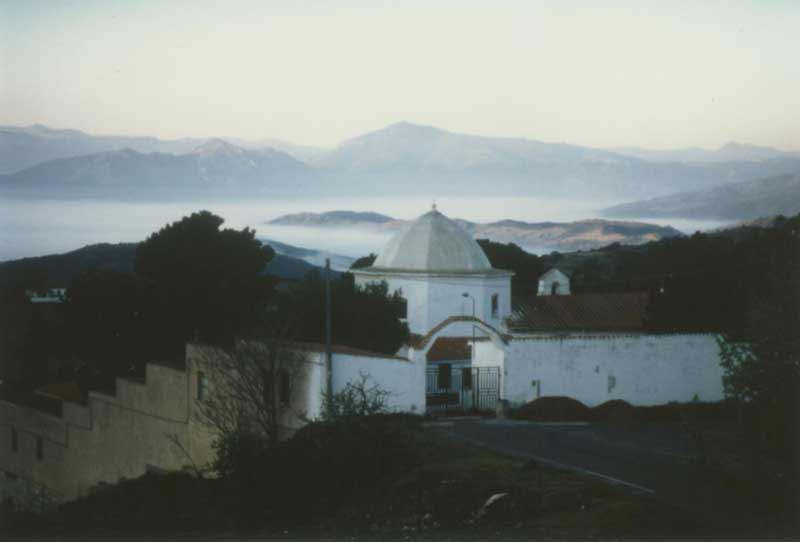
(738, 201)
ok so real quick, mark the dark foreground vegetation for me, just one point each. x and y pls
(375, 474)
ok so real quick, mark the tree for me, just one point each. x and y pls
(249, 398)
(364, 261)
(106, 326)
(367, 317)
(204, 282)
(527, 267)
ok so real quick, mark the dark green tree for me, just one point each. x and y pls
(364, 261)
(527, 267)
(203, 282)
(367, 317)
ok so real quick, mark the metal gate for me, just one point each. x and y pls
(461, 389)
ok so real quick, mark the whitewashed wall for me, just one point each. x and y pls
(640, 369)
(434, 298)
(403, 379)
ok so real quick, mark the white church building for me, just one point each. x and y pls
(480, 345)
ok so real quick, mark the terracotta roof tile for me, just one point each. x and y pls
(450, 349)
(581, 312)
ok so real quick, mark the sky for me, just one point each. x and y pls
(601, 73)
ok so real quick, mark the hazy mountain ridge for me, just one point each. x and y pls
(580, 235)
(730, 152)
(779, 195)
(400, 158)
(213, 167)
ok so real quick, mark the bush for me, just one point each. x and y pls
(326, 463)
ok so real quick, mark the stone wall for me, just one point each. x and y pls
(111, 437)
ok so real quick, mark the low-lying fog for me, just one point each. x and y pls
(38, 227)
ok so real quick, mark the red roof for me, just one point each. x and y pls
(450, 349)
(582, 312)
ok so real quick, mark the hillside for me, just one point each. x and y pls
(748, 200)
(541, 236)
(58, 270)
(213, 168)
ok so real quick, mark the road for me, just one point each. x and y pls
(652, 460)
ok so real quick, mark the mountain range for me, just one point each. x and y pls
(401, 158)
(779, 195)
(729, 152)
(214, 167)
(537, 237)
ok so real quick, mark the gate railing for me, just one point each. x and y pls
(449, 388)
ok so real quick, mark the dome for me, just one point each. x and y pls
(433, 243)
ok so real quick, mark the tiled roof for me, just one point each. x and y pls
(450, 349)
(581, 312)
(340, 349)
(419, 342)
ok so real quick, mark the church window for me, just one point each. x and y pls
(202, 386)
(495, 305)
(14, 439)
(39, 448)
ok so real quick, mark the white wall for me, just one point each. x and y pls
(434, 298)
(640, 369)
(403, 379)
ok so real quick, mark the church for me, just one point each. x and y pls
(480, 346)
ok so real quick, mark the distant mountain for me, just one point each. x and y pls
(305, 153)
(215, 167)
(730, 152)
(58, 270)
(331, 218)
(424, 159)
(311, 256)
(748, 200)
(401, 158)
(23, 147)
(538, 237)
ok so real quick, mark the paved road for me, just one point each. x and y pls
(656, 460)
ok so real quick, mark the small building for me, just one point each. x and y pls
(554, 282)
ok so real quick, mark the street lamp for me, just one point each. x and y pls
(472, 347)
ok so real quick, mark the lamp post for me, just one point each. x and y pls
(472, 347)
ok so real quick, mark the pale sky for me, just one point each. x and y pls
(659, 74)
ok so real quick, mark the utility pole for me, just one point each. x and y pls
(328, 352)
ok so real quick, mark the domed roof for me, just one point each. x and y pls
(433, 243)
